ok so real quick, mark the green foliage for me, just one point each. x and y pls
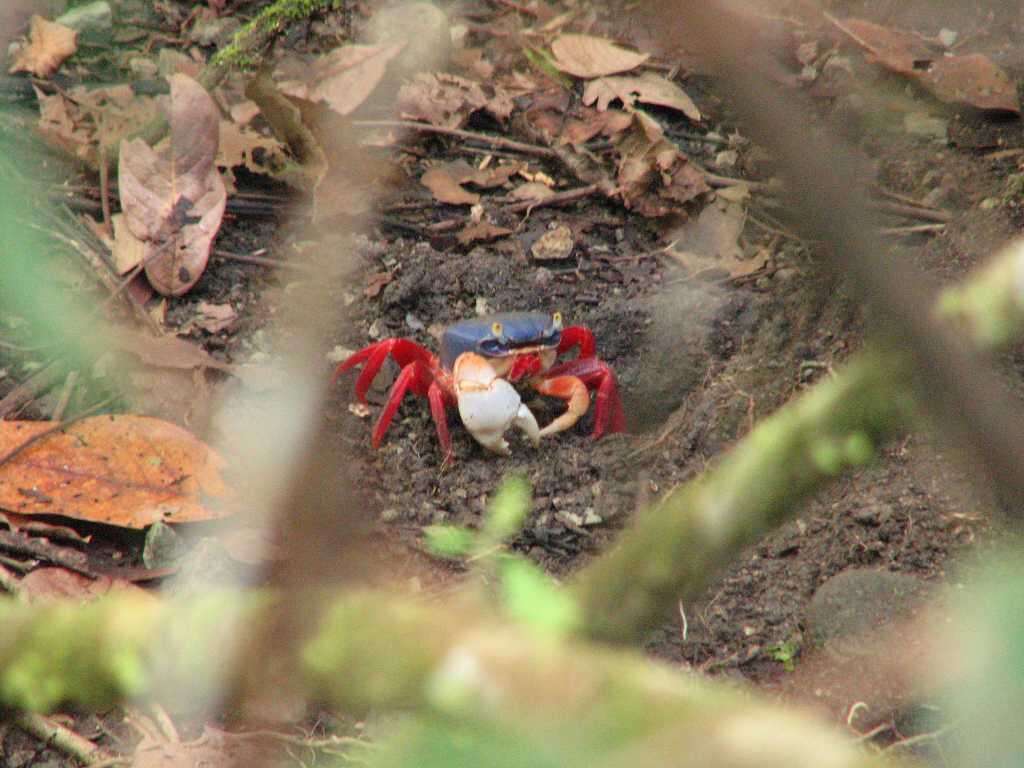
(530, 596)
(527, 593)
(508, 510)
(450, 541)
(785, 653)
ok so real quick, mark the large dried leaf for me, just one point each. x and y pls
(345, 77)
(586, 56)
(647, 89)
(173, 198)
(449, 100)
(49, 44)
(654, 178)
(130, 471)
(973, 80)
(709, 244)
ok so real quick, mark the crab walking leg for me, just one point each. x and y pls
(418, 377)
(574, 392)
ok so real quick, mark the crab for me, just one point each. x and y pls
(480, 361)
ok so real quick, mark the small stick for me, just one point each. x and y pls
(911, 211)
(64, 739)
(717, 182)
(105, 188)
(9, 581)
(495, 141)
(65, 396)
(914, 230)
(903, 198)
(38, 382)
(261, 261)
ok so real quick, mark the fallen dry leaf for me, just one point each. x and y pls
(445, 181)
(586, 56)
(481, 231)
(345, 77)
(708, 246)
(165, 351)
(127, 250)
(654, 178)
(173, 198)
(130, 471)
(78, 120)
(648, 88)
(532, 190)
(376, 282)
(55, 583)
(445, 189)
(49, 45)
(973, 80)
(448, 100)
(239, 145)
(214, 318)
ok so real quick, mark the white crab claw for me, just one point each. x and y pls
(489, 411)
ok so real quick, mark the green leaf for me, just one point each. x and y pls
(449, 540)
(508, 510)
(533, 598)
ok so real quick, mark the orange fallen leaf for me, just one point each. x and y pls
(586, 56)
(376, 282)
(130, 471)
(49, 45)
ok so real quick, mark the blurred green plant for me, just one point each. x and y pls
(527, 594)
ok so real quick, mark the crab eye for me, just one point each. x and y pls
(556, 320)
(497, 330)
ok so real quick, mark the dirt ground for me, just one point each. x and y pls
(698, 361)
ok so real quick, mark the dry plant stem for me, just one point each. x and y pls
(919, 229)
(559, 198)
(494, 141)
(374, 650)
(64, 739)
(65, 396)
(911, 211)
(263, 262)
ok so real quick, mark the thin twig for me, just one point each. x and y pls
(911, 211)
(65, 396)
(261, 261)
(56, 735)
(559, 198)
(494, 141)
(917, 229)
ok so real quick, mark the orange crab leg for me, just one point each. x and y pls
(608, 414)
(577, 398)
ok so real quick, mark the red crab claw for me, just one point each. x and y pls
(596, 374)
(403, 351)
